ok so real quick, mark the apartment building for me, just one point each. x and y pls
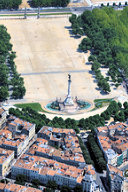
(10, 187)
(6, 157)
(55, 136)
(72, 156)
(16, 144)
(114, 143)
(59, 144)
(20, 126)
(115, 177)
(17, 135)
(43, 169)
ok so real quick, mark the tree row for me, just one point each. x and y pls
(11, 84)
(107, 34)
(9, 4)
(49, 3)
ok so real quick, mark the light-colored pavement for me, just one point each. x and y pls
(45, 47)
(24, 4)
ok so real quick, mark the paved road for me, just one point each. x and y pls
(49, 10)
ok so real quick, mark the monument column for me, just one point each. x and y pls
(69, 85)
(25, 13)
(68, 101)
(38, 14)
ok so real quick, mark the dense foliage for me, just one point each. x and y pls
(9, 78)
(115, 110)
(9, 4)
(107, 37)
(85, 152)
(49, 3)
(96, 154)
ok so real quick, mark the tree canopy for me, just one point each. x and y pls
(9, 4)
(107, 36)
(49, 3)
(10, 80)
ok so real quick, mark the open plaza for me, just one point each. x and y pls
(46, 52)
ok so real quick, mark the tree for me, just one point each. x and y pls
(8, 4)
(36, 182)
(125, 104)
(48, 190)
(73, 18)
(3, 93)
(78, 188)
(95, 66)
(65, 189)
(82, 123)
(52, 3)
(21, 179)
(52, 185)
(120, 105)
(92, 58)
(86, 44)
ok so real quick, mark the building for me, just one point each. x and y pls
(113, 142)
(46, 169)
(89, 180)
(16, 144)
(6, 158)
(10, 187)
(17, 135)
(59, 144)
(115, 177)
(20, 126)
(124, 187)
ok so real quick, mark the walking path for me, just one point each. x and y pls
(55, 72)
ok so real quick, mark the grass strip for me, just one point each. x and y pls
(35, 106)
(15, 15)
(99, 103)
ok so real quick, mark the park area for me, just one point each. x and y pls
(46, 52)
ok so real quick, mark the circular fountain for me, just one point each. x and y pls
(68, 105)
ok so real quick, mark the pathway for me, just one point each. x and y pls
(55, 72)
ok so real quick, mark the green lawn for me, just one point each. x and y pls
(99, 103)
(35, 106)
(15, 15)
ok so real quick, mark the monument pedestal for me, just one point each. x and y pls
(72, 107)
(68, 105)
(68, 101)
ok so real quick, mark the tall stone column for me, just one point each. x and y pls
(68, 101)
(38, 14)
(25, 13)
(69, 85)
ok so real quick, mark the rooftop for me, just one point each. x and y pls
(4, 154)
(17, 188)
(16, 122)
(117, 140)
(114, 170)
(47, 130)
(47, 166)
(71, 149)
